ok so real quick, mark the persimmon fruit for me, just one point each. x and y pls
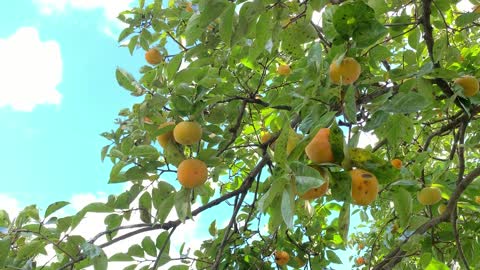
(441, 208)
(360, 261)
(315, 192)
(165, 137)
(192, 173)
(469, 84)
(429, 196)
(281, 257)
(188, 7)
(346, 72)
(319, 149)
(284, 70)
(364, 187)
(264, 137)
(397, 163)
(153, 56)
(187, 133)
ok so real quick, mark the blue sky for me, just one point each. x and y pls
(60, 94)
(57, 94)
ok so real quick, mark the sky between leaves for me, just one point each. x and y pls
(57, 94)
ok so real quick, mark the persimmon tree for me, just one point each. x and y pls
(259, 82)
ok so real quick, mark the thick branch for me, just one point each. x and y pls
(427, 27)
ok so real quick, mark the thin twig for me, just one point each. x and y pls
(160, 253)
(178, 42)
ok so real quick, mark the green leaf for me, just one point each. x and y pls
(436, 265)
(263, 27)
(52, 208)
(100, 262)
(247, 17)
(340, 185)
(162, 241)
(280, 154)
(131, 267)
(344, 221)
(164, 207)
(337, 142)
(4, 250)
(173, 65)
(149, 246)
(383, 170)
(194, 29)
(112, 221)
(213, 228)
(145, 205)
(306, 177)
(350, 105)
(226, 23)
(406, 103)
(413, 244)
(120, 257)
(414, 38)
(172, 154)
(145, 151)
(369, 33)
(266, 200)
(333, 258)
(30, 249)
(115, 174)
(288, 207)
(136, 251)
(403, 205)
(182, 204)
(295, 35)
(125, 33)
(211, 10)
(425, 259)
(376, 120)
(397, 129)
(179, 267)
(104, 152)
(136, 173)
(125, 79)
(275, 214)
(97, 207)
(4, 219)
(132, 44)
(357, 20)
(466, 19)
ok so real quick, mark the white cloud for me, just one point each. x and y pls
(10, 205)
(465, 6)
(30, 70)
(367, 139)
(111, 7)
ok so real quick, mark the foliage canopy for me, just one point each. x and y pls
(218, 67)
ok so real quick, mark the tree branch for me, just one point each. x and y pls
(247, 183)
(461, 171)
(396, 255)
(227, 234)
